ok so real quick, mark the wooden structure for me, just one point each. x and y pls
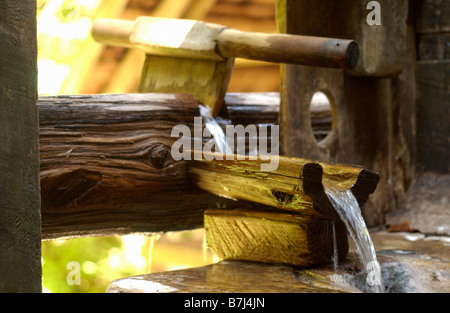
(20, 238)
(390, 114)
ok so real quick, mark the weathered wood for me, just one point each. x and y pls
(434, 46)
(106, 166)
(433, 115)
(263, 108)
(372, 117)
(282, 48)
(432, 16)
(409, 263)
(382, 48)
(295, 185)
(198, 40)
(234, 276)
(274, 237)
(198, 57)
(20, 239)
(206, 79)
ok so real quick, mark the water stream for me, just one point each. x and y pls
(346, 206)
(214, 128)
(348, 210)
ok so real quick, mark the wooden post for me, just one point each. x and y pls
(433, 77)
(20, 239)
(371, 104)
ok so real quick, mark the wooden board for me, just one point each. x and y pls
(274, 237)
(20, 253)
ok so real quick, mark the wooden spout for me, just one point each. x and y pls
(297, 226)
(296, 185)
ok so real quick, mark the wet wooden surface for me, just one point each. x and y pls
(410, 262)
(233, 276)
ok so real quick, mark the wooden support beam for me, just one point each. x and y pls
(20, 238)
(106, 166)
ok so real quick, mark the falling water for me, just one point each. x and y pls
(214, 128)
(345, 204)
(348, 210)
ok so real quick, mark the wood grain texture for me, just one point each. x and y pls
(207, 80)
(282, 48)
(235, 276)
(296, 185)
(433, 16)
(274, 237)
(106, 166)
(433, 115)
(20, 254)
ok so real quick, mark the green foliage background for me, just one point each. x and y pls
(93, 255)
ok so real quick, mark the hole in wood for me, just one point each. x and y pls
(321, 117)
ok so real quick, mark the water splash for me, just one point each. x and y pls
(214, 128)
(348, 210)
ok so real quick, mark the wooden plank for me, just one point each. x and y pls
(20, 256)
(433, 115)
(106, 166)
(274, 237)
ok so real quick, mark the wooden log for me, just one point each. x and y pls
(274, 237)
(20, 225)
(106, 166)
(263, 108)
(295, 185)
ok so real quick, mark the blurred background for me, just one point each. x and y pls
(71, 62)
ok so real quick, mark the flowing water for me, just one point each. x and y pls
(214, 128)
(346, 206)
(348, 210)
